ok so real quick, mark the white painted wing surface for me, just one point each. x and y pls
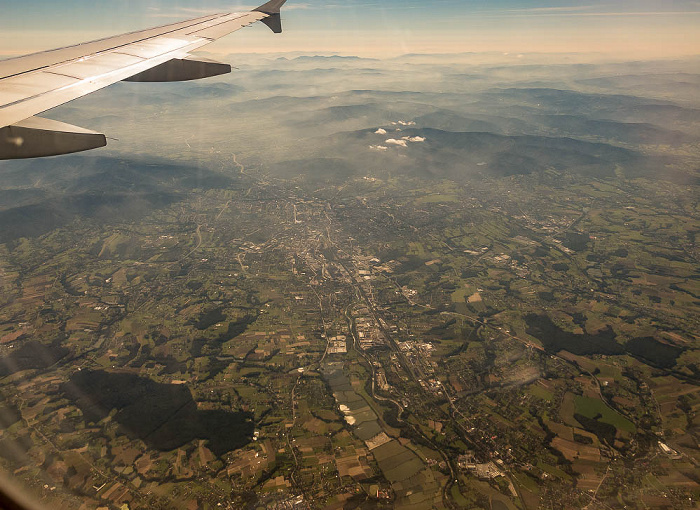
(35, 83)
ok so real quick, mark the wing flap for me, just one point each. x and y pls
(151, 49)
(226, 26)
(19, 88)
(15, 109)
(50, 58)
(96, 66)
(28, 106)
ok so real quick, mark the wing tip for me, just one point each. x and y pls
(273, 19)
(274, 23)
(271, 7)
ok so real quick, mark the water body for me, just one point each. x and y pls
(164, 416)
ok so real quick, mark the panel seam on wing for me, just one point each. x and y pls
(107, 50)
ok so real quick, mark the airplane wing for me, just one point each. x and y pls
(32, 84)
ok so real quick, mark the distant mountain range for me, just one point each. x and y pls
(297, 118)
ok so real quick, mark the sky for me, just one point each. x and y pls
(638, 28)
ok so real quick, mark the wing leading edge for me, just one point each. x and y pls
(35, 83)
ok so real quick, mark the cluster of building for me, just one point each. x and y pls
(672, 454)
(338, 344)
(292, 503)
(382, 382)
(483, 471)
(432, 385)
(369, 334)
(419, 355)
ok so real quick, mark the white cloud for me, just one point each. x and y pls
(378, 148)
(380, 131)
(407, 123)
(400, 143)
(415, 139)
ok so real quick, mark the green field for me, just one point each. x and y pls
(538, 391)
(461, 294)
(457, 496)
(592, 407)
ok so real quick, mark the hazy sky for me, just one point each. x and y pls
(382, 27)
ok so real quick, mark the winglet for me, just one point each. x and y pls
(272, 9)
